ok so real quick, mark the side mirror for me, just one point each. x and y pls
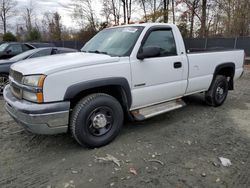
(149, 51)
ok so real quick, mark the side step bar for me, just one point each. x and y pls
(151, 111)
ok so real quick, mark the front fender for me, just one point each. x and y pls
(75, 89)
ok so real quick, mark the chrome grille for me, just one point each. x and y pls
(16, 76)
(17, 92)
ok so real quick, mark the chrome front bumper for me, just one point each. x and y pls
(51, 118)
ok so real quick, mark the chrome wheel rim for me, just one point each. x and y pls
(220, 92)
(4, 81)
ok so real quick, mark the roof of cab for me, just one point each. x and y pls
(146, 25)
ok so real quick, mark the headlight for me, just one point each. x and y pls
(30, 96)
(34, 89)
(34, 80)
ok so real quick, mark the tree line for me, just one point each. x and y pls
(195, 18)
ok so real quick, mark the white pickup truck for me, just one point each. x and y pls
(137, 71)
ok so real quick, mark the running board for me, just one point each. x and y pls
(151, 111)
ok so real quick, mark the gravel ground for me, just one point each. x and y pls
(177, 149)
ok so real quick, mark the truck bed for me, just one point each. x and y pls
(203, 63)
(205, 50)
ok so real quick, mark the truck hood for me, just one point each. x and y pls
(51, 64)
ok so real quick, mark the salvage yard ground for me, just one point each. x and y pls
(177, 149)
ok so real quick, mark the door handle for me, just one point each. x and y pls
(177, 65)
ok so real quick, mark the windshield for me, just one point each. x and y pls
(115, 41)
(23, 55)
(3, 47)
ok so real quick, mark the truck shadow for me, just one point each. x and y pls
(197, 99)
(194, 102)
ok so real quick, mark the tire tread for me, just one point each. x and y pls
(209, 95)
(77, 109)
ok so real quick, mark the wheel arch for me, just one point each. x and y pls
(226, 69)
(4, 73)
(117, 87)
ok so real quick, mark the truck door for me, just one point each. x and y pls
(161, 78)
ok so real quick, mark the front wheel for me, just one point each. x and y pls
(96, 120)
(217, 93)
(4, 81)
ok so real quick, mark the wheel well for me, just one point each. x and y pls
(4, 73)
(113, 90)
(228, 72)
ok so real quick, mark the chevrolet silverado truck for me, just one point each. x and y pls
(135, 71)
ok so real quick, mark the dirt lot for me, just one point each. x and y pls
(177, 149)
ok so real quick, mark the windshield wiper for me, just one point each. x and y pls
(97, 52)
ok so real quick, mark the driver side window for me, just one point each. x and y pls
(15, 48)
(163, 39)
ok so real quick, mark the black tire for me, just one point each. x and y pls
(86, 122)
(217, 93)
(4, 80)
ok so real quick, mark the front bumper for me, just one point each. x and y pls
(51, 118)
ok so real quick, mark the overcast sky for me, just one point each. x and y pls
(60, 6)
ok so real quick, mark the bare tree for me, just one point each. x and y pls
(152, 9)
(124, 11)
(56, 27)
(192, 6)
(115, 11)
(45, 25)
(111, 9)
(173, 10)
(84, 14)
(29, 15)
(52, 27)
(106, 10)
(182, 24)
(127, 10)
(6, 11)
(203, 18)
(165, 10)
(235, 16)
(142, 3)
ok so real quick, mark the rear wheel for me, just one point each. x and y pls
(4, 80)
(218, 91)
(96, 120)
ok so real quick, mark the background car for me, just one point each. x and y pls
(11, 49)
(38, 52)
